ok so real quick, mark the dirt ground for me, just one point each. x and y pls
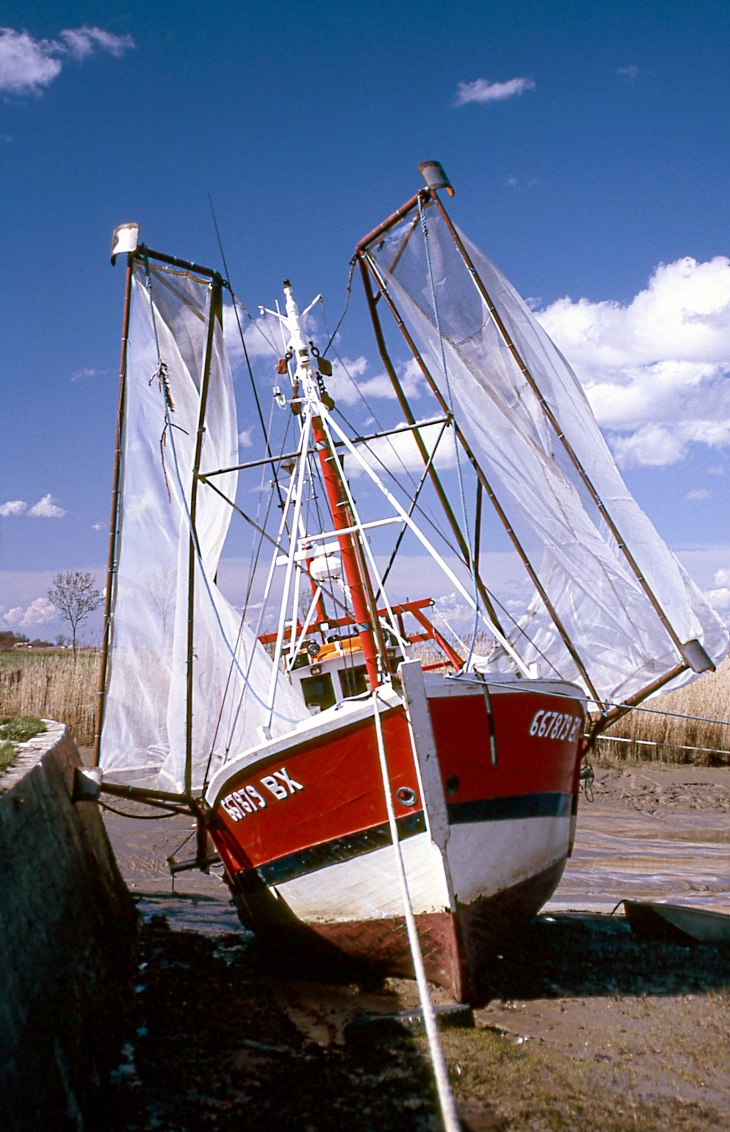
(585, 1027)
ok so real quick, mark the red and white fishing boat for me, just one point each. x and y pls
(302, 749)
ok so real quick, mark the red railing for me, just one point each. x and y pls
(415, 608)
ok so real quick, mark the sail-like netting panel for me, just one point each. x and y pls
(144, 732)
(603, 607)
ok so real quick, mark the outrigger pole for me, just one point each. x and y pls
(367, 264)
(427, 460)
(111, 568)
(484, 482)
(215, 311)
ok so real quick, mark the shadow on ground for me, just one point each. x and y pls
(213, 1047)
(583, 955)
(221, 1039)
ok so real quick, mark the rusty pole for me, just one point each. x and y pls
(114, 519)
(408, 413)
(214, 312)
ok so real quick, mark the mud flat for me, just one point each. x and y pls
(586, 1026)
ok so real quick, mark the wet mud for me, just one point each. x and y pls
(585, 1026)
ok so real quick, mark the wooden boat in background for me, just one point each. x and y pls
(677, 923)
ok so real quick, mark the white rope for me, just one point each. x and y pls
(438, 1061)
(471, 563)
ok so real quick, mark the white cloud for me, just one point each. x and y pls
(244, 438)
(719, 599)
(262, 336)
(698, 493)
(481, 90)
(629, 72)
(655, 370)
(28, 65)
(84, 374)
(343, 384)
(345, 388)
(81, 42)
(97, 526)
(37, 613)
(46, 508)
(13, 507)
(400, 452)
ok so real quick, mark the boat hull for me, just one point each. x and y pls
(677, 923)
(301, 826)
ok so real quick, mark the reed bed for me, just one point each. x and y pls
(647, 737)
(52, 686)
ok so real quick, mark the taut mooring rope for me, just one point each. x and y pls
(438, 1061)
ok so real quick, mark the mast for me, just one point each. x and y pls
(353, 560)
(125, 241)
(692, 652)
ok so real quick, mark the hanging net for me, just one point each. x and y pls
(144, 733)
(608, 616)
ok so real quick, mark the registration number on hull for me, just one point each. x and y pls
(556, 725)
(253, 797)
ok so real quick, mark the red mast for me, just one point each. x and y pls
(353, 560)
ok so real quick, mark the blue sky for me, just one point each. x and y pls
(306, 123)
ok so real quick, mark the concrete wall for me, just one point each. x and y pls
(68, 931)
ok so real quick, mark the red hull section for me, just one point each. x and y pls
(456, 948)
(335, 789)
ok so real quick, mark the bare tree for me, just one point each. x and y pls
(75, 596)
(161, 591)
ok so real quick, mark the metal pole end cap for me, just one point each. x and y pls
(435, 177)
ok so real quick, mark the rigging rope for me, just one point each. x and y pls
(245, 348)
(471, 564)
(138, 817)
(332, 337)
(438, 1061)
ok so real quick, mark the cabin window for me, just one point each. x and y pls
(318, 691)
(354, 681)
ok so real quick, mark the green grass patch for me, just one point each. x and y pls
(7, 755)
(21, 728)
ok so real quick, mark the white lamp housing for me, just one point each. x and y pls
(124, 240)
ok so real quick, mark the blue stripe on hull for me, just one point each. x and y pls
(328, 853)
(509, 809)
(340, 849)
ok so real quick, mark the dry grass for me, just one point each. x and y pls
(666, 739)
(52, 686)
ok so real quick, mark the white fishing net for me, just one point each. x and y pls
(616, 632)
(144, 733)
